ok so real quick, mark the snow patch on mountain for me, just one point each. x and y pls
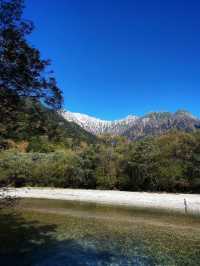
(98, 126)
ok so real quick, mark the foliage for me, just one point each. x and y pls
(170, 163)
(23, 73)
(37, 124)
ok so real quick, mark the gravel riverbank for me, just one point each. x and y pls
(167, 201)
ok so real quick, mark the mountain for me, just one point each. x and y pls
(158, 123)
(134, 127)
(97, 126)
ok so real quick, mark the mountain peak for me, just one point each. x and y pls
(131, 117)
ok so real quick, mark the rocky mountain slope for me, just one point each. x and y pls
(135, 127)
(97, 126)
(158, 123)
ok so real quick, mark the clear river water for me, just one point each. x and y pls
(60, 233)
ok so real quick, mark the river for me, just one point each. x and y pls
(58, 233)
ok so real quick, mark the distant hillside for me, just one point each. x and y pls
(33, 120)
(64, 129)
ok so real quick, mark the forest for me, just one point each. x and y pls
(170, 162)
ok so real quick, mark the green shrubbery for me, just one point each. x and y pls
(167, 163)
(52, 169)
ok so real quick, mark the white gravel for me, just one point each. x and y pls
(165, 201)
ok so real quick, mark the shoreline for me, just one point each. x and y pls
(182, 203)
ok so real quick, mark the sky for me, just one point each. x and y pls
(112, 58)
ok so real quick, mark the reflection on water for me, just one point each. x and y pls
(58, 233)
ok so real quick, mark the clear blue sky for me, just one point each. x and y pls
(118, 57)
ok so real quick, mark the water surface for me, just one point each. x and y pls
(59, 233)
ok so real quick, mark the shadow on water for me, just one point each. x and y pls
(29, 243)
(70, 252)
(19, 239)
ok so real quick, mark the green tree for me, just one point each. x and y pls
(23, 74)
(142, 164)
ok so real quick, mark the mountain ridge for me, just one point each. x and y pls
(135, 127)
(98, 126)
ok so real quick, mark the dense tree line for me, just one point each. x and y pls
(169, 162)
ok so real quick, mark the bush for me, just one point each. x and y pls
(20, 169)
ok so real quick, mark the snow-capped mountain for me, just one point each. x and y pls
(134, 127)
(98, 126)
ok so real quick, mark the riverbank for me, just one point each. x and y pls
(189, 203)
